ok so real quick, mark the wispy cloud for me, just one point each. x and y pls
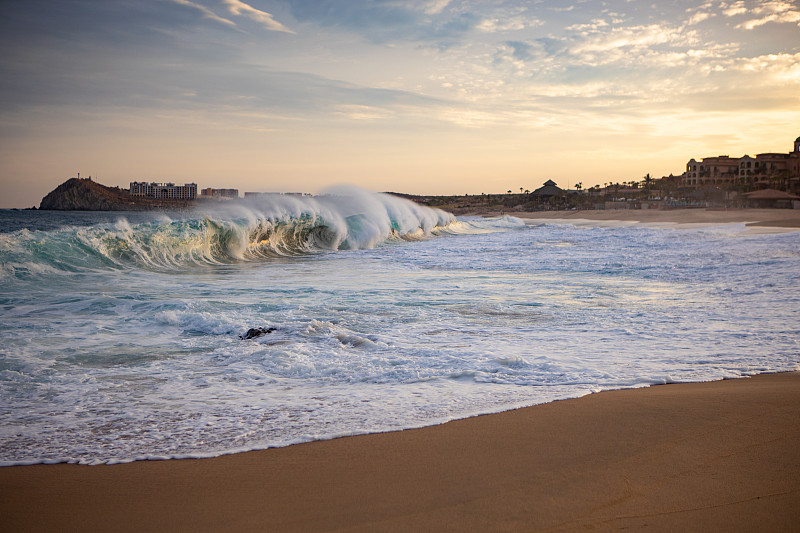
(423, 22)
(363, 112)
(594, 25)
(775, 11)
(734, 8)
(207, 13)
(236, 7)
(433, 7)
(498, 25)
(780, 67)
(699, 17)
(641, 36)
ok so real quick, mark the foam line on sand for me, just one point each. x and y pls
(771, 218)
(720, 456)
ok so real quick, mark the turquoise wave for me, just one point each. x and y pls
(267, 227)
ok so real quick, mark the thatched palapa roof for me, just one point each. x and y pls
(770, 194)
(548, 189)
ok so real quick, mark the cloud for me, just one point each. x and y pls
(363, 112)
(177, 67)
(780, 67)
(395, 21)
(434, 7)
(207, 13)
(733, 9)
(699, 17)
(773, 6)
(356, 15)
(497, 25)
(236, 7)
(595, 25)
(632, 37)
(775, 11)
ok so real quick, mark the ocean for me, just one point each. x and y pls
(122, 332)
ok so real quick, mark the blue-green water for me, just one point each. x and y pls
(121, 331)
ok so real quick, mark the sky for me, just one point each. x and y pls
(414, 96)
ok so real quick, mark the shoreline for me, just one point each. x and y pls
(752, 217)
(716, 455)
(720, 455)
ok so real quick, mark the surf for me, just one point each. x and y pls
(246, 230)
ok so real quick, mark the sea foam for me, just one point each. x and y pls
(127, 343)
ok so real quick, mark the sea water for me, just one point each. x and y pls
(121, 332)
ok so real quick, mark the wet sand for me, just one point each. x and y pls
(779, 218)
(721, 456)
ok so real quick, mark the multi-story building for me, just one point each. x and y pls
(763, 165)
(794, 160)
(711, 171)
(167, 191)
(763, 168)
(211, 192)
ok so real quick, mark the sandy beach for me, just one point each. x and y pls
(720, 456)
(779, 218)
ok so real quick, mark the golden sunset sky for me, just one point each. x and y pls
(416, 96)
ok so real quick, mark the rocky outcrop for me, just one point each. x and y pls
(252, 333)
(77, 194)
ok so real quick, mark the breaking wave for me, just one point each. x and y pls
(252, 229)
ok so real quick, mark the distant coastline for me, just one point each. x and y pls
(83, 194)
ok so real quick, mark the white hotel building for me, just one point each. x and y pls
(167, 191)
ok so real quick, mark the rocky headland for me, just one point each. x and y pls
(78, 194)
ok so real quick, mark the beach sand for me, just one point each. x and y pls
(721, 456)
(778, 218)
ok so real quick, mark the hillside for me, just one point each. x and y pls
(78, 194)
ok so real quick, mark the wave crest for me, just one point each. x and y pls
(252, 229)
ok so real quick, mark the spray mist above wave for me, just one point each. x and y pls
(346, 218)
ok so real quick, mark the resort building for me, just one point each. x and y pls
(773, 169)
(168, 191)
(711, 171)
(211, 192)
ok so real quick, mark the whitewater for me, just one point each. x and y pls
(121, 333)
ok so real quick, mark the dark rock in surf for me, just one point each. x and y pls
(252, 333)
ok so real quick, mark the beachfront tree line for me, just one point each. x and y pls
(556, 198)
(655, 192)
